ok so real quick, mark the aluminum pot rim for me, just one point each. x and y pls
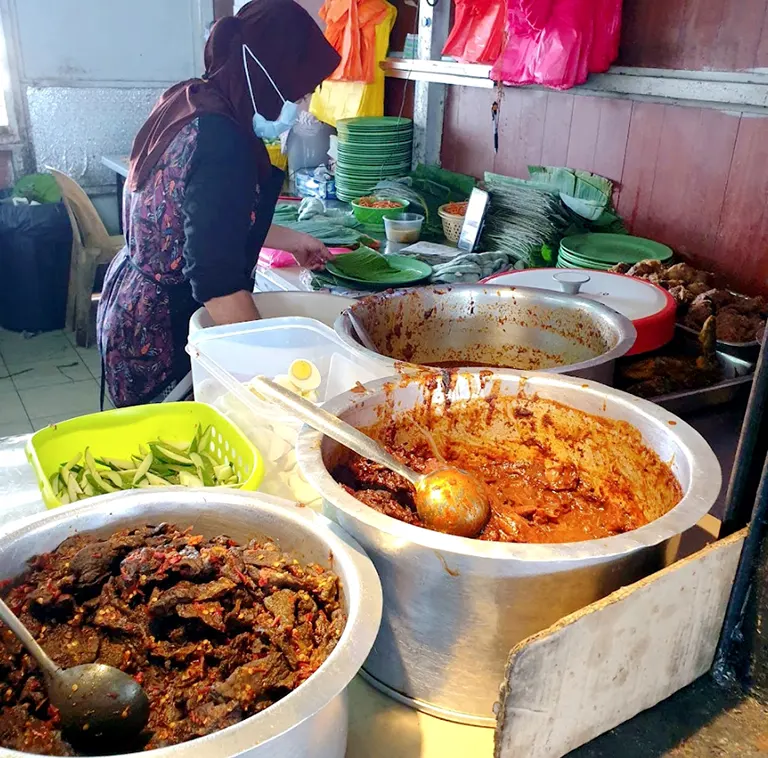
(706, 478)
(623, 326)
(336, 672)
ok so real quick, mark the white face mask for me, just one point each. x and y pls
(289, 113)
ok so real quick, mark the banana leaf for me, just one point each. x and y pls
(364, 263)
(581, 185)
(340, 231)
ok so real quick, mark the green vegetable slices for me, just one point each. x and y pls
(158, 464)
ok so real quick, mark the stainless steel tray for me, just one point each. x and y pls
(738, 378)
(746, 351)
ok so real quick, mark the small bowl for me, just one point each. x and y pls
(404, 228)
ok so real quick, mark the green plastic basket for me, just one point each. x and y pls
(376, 216)
(118, 434)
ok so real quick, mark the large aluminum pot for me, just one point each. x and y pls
(509, 327)
(312, 720)
(454, 607)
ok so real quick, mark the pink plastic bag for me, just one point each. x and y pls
(269, 257)
(527, 16)
(607, 26)
(558, 43)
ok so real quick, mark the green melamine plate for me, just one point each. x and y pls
(408, 271)
(384, 172)
(364, 155)
(578, 263)
(363, 123)
(614, 248)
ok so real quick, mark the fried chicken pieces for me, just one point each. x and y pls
(662, 374)
(737, 318)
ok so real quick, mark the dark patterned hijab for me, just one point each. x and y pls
(287, 42)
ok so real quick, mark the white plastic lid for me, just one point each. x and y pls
(634, 298)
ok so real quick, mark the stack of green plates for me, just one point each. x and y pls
(603, 251)
(371, 149)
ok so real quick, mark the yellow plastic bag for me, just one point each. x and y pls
(333, 101)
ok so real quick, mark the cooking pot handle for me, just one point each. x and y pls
(570, 283)
(330, 425)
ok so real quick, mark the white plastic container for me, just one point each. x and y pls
(405, 228)
(322, 306)
(226, 358)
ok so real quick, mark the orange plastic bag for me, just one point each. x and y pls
(351, 29)
(335, 100)
(477, 35)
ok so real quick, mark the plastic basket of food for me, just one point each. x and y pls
(372, 210)
(452, 215)
(302, 355)
(166, 444)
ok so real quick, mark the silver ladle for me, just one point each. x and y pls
(447, 500)
(95, 702)
(361, 332)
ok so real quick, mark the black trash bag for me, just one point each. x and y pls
(35, 248)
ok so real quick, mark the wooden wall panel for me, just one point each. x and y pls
(612, 137)
(467, 134)
(521, 124)
(692, 167)
(742, 240)
(724, 35)
(557, 129)
(651, 32)
(695, 179)
(640, 161)
(585, 124)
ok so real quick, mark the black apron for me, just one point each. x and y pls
(181, 304)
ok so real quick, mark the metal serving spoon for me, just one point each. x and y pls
(361, 332)
(448, 500)
(95, 702)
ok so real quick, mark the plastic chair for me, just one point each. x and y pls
(92, 246)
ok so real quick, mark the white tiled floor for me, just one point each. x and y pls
(45, 379)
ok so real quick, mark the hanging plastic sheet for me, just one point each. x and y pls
(477, 35)
(351, 29)
(335, 100)
(605, 45)
(558, 43)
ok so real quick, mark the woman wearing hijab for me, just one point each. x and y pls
(201, 193)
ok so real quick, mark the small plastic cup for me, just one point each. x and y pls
(403, 228)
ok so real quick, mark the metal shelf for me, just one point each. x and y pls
(725, 90)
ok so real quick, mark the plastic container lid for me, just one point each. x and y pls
(225, 358)
(650, 308)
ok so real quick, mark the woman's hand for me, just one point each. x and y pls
(307, 250)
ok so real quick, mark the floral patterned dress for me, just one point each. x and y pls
(149, 290)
